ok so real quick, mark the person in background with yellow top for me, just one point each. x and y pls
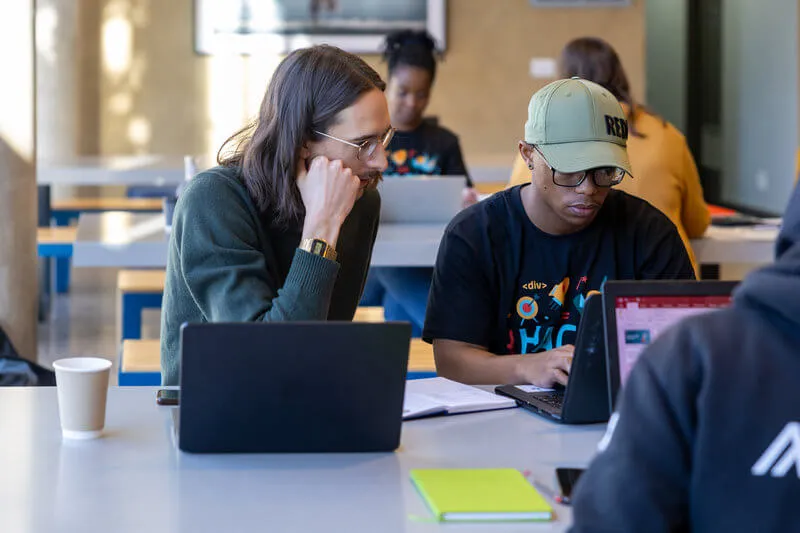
(664, 172)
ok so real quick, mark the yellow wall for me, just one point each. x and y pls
(156, 95)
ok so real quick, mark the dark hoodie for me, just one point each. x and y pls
(708, 432)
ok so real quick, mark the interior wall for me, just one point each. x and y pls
(155, 95)
(760, 103)
(18, 279)
(666, 48)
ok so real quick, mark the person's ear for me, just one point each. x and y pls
(526, 151)
(305, 152)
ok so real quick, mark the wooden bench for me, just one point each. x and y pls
(368, 314)
(138, 290)
(66, 210)
(420, 360)
(55, 244)
(140, 362)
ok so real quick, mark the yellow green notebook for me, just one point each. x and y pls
(501, 494)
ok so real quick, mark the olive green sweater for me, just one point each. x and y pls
(229, 263)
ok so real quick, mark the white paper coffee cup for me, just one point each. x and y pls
(82, 384)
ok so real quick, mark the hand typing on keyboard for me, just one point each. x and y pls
(546, 369)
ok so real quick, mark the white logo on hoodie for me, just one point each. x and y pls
(782, 454)
(606, 440)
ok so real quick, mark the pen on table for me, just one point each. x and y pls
(544, 489)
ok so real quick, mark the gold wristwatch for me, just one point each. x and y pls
(318, 247)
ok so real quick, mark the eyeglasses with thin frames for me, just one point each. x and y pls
(367, 148)
(603, 177)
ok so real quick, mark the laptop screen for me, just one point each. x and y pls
(641, 319)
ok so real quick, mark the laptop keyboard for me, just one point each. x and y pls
(553, 400)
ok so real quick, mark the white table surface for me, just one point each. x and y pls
(135, 480)
(150, 169)
(121, 239)
(746, 245)
(138, 240)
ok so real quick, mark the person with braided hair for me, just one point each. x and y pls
(420, 147)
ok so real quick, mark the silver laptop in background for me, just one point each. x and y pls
(420, 199)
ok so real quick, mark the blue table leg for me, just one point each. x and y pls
(43, 219)
(63, 265)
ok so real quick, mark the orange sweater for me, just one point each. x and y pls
(664, 174)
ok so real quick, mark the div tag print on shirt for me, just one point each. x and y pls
(546, 315)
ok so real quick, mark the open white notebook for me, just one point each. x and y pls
(432, 396)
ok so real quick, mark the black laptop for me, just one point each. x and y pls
(292, 387)
(585, 398)
(637, 312)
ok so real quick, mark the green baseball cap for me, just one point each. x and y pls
(578, 125)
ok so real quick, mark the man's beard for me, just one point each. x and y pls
(372, 180)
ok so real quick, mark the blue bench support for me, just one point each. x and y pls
(133, 304)
(63, 264)
(61, 253)
(420, 374)
(138, 379)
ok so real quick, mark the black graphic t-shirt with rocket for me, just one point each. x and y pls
(546, 314)
(503, 284)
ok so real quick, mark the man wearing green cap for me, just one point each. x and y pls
(514, 271)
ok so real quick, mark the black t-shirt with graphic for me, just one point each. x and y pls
(503, 284)
(429, 150)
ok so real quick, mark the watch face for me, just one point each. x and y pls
(318, 247)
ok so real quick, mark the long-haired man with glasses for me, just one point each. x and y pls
(514, 271)
(283, 229)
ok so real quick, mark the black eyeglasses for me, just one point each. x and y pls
(603, 177)
(366, 149)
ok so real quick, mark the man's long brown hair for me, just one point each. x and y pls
(309, 89)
